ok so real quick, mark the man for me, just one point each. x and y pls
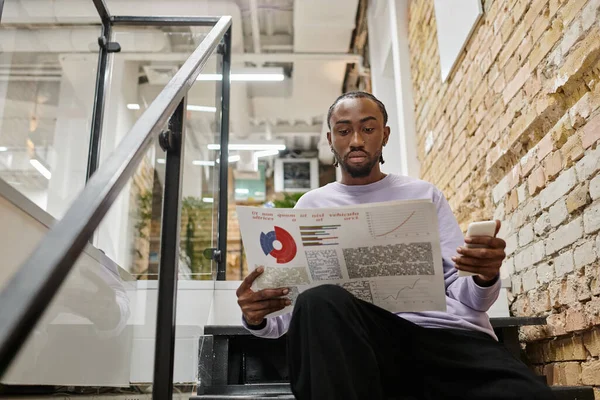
(340, 347)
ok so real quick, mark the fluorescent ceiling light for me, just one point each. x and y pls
(133, 106)
(258, 77)
(209, 77)
(231, 159)
(160, 160)
(204, 163)
(259, 193)
(272, 74)
(41, 169)
(3, 148)
(242, 191)
(243, 77)
(208, 200)
(192, 107)
(266, 153)
(250, 146)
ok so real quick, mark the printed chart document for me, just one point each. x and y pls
(385, 253)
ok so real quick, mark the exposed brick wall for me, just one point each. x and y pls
(516, 129)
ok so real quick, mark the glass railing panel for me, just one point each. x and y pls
(106, 310)
(200, 189)
(85, 338)
(27, 12)
(198, 235)
(149, 58)
(47, 82)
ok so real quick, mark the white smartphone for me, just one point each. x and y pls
(483, 228)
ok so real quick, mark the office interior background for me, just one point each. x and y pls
(496, 102)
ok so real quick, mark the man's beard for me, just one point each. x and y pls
(358, 171)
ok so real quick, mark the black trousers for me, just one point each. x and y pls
(340, 347)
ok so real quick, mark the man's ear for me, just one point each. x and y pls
(329, 138)
(386, 135)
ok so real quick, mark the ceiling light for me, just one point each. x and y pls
(231, 159)
(243, 77)
(41, 169)
(204, 163)
(160, 160)
(249, 146)
(266, 153)
(270, 74)
(3, 148)
(209, 77)
(192, 107)
(258, 77)
(208, 200)
(242, 191)
(133, 106)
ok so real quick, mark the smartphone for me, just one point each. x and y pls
(483, 228)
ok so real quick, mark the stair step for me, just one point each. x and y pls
(573, 392)
(281, 392)
(242, 397)
(246, 368)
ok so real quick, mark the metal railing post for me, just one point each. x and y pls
(100, 91)
(224, 158)
(172, 142)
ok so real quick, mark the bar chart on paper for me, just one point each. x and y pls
(322, 235)
(389, 224)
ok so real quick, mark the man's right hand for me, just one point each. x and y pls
(256, 305)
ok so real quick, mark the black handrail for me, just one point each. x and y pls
(27, 295)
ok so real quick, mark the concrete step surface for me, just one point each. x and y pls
(561, 393)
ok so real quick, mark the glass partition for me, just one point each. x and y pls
(149, 58)
(99, 331)
(89, 335)
(130, 234)
(47, 81)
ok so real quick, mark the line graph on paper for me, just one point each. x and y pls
(397, 297)
(391, 224)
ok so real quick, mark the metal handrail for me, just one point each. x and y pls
(27, 295)
(133, 20)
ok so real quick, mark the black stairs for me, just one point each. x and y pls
(234, 364)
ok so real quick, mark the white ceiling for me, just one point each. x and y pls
(298, 30)
(323, 26)
(317, 28)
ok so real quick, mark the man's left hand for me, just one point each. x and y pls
(484, 261)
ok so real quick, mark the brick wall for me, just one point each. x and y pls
(516, 130)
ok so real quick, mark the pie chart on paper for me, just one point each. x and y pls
(279, 244)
